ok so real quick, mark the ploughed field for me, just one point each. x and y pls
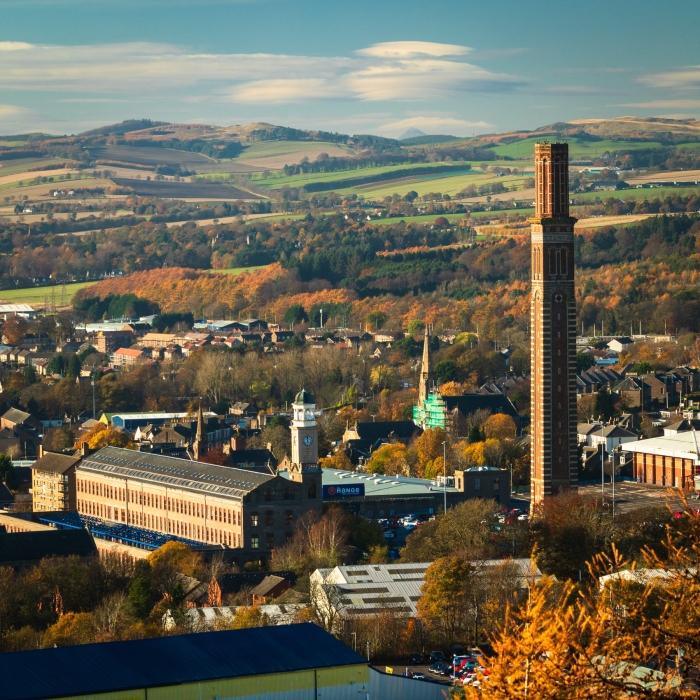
(168, 188)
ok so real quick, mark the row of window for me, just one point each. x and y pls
(157, 501)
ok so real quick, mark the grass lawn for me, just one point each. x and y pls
(37, 295)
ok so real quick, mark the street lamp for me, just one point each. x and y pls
(444, 472)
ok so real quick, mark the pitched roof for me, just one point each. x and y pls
(131, 352)
(32, 546)
(613, 431)
(56, 462)
(470, 403)
(268, 584)
(182, 473)
(233, 583)
(384, 428)
(14, 415)
(91, 669)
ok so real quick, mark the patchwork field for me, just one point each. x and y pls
(170, 188)
(151, 156)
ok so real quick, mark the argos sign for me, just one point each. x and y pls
(349, 491)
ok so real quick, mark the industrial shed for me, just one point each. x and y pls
(299, 662)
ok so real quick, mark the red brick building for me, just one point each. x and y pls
(671, 460)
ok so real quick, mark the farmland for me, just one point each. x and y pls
(579, 148)
(151, 156)
(169, 188)
(37, 296)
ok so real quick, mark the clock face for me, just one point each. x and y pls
(308, 440)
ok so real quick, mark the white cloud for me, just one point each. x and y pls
(685, 77)
(284, 90)
(408, 49)
(435, 125)
(14, 46)
(665, 104)
(392, 71)
(11, 111)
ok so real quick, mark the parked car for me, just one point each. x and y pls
(415, 658)
(441, 668)
(389, 535)
(410, 527)
(436, 656)
(523, 517)
(458, 650)
(418, 677)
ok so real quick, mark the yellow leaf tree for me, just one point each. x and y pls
(389, 459)
(500, 427)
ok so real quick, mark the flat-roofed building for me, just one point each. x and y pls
(193, 500)
(669, 460)
(53, 481)
(360, 590)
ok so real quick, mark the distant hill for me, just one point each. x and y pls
(411, 134)
(428, 139)
(669, 131)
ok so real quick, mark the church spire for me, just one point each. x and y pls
(426, 370)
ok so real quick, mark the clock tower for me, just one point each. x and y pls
(305, 467)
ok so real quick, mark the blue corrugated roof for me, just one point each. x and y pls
(188, 658)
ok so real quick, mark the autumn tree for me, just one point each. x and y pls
(445, 598)
(465, 530)
(500, 427)
(14, 329)
(389, 459)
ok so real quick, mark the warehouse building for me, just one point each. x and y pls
(347, 592)
(195, 501)
(669, 460)
(298, 662)
(380, 496)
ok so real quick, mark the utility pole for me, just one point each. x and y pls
(444, 472)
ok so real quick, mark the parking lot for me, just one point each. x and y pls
(628, 496)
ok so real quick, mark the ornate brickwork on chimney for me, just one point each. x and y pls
(554, 452)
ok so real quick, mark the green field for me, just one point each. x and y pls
(10, 167)
(579, 148)
(430, 218)
(445, 184)
(266, 149)
(37, 295)
(641, 194)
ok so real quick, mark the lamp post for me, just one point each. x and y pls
(92, 381)
(444, 473)
(602, 469)
(354, 640)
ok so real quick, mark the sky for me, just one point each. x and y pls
(456, 67)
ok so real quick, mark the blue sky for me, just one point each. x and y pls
(380, 66)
